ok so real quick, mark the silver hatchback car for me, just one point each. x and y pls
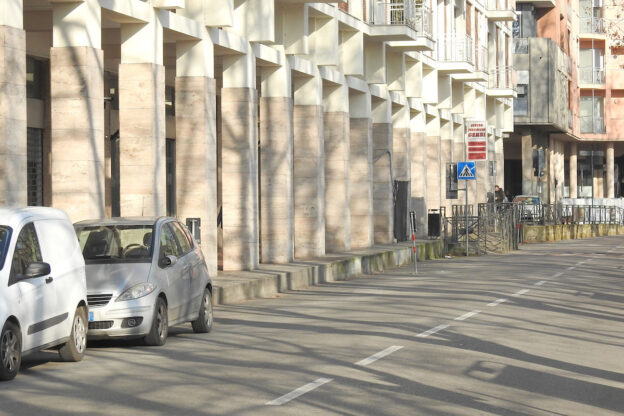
(143, 274)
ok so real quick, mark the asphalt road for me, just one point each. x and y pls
(536, 332)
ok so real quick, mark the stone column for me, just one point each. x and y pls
(12, 105)
(309, 167)
(573, 170)
(432, 168)
(276, 166)
(196, 142)
(77, 107)
(610, 174)
(527, 164)
(337, 197)
(239, 155)
(361, 170)
(418, 185)
(142, 182)
(401, 155)
(383, 176)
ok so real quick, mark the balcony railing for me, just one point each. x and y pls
(501, 5)
(591, 25)
(502, 78)
(416, 16)
(455, 48)
(591, 124)
(520, 45)
(481, 59)
(591, 75)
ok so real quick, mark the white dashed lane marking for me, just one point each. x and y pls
(380, 354)
(520, 292)
(541, 282)
(298, 392)
(432, 331)
(467, 315)
(497, 302)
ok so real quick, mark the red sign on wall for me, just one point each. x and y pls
(476, 140)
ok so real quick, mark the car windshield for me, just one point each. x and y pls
(115, 243)
(5, 239)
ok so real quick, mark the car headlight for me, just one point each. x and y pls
(136, 291)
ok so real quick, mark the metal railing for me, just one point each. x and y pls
(409, 13)
(591, 75)
(481, 58)
(502, 78)
(591, 25)
(593, 124)
(455, 48)
(520, 45)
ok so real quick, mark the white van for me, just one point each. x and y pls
(43, 292)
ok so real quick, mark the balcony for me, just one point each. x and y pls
(502, 82)
(480, 73)
(387, 16)
(455, 53)
(501, 10)
(591, 25)
(591, 124)
(591, 76)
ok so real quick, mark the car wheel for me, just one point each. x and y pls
(10, 351)
(203, 323)
(160, 325)
(74, 349)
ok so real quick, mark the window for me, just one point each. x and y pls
(34, 72)
(26, 251)
(5, 239)
(592, 115)
(168, 244)
(526, 24)
(34, 163)
(591, 66)
(170, 172)
(185, 244)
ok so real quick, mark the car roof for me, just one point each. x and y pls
(122, 221)
(13, 216)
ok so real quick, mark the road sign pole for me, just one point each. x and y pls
(414, 248)
(466, 218)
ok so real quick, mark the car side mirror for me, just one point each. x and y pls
(37, 269)
(167, 261)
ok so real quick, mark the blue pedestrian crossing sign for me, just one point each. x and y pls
(466, 171)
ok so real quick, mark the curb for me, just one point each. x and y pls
(270, 279)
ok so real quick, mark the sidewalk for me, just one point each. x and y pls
(269, 279)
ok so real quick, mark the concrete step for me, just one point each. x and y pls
(270, 279)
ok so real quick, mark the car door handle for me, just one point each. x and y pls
(49, 279)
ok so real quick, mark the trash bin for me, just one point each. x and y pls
(434, 224)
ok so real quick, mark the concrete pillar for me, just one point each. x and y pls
(276, 166)
(361, 170)
(383, 176)
(432, 168)
(573, 170)
(239, 156)
(77, 106)
(12, 105)
(446, 157)
(142, 120)
(527, 164)
(500, 163)
(401, 154)
(336, 145)
(309, 167)
(610, 174)
(196, 142)
(418, 172)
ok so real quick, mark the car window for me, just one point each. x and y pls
(185, 244)
(115, 243)
(5, 239)
(168, 243)
(27, 250)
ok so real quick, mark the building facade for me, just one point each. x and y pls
(568, 140)
(283, 129)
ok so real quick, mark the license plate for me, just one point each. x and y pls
(91, 317)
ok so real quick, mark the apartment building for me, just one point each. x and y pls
(569, 113)
(280, 129)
